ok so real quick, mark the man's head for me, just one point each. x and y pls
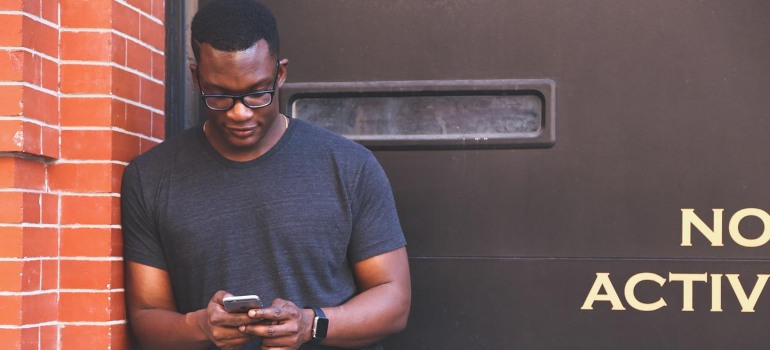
(234, 25)
(238, 72)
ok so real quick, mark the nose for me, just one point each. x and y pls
(240, 112)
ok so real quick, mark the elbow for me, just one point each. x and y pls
(402, 317)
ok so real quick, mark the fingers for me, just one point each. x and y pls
(280, 310)
(285, 330)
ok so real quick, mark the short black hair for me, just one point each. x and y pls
(234, 25)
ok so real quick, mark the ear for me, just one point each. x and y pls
(194, 74)
(283, 66)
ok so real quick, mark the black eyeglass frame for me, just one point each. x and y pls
(241, 98)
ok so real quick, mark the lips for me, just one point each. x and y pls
(242, 132)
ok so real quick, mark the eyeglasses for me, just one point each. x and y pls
(256, 99)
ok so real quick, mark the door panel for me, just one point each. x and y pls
(660, 106)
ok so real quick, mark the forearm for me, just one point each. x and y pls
(165, 329)
(368, 317)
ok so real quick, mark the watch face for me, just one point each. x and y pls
(320, 325)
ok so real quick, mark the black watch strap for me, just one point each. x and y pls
(320, 325)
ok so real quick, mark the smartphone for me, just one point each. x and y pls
(242, 303)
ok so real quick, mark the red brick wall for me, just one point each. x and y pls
(81, 93)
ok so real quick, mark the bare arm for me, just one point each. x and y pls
(157, 324)
(380, 309)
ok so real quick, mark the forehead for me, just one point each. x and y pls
(254, 60)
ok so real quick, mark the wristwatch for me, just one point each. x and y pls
(320, 325)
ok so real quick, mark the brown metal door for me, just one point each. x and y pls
(660, 106)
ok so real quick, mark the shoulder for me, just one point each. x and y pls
(186, 141)
(315, 138)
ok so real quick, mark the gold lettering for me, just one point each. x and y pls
(689, 219)
(747, 303)
(735, 231)
(687, 280)
(631, 297)
(602, 281)
(716, 292)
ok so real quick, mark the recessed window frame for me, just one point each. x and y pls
(544, 89)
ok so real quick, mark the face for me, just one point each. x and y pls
(241, 133)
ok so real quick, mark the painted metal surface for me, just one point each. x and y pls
(662, 106)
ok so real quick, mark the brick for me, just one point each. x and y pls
(158, 9)
(51, 14)
(7, 172)
(40, 37)
(90, 210)
(29, 174)
(125, 147)
(11, 240)
(12, 65)
(118, 116)
(126, 84)
(144, 5)
(50, 142)
(118, 49)
(83, 111)
(79, 78)
(41, 242)
(82, 274)
(158, 66)
(49, 335)
(33, 69)
(11, 103)
(153, 94)
(87, 177)
(10, 338)
(50, 208)
(31, 137)
(11, 136)
(30, 338)
(84, 307)
(120, 337)
(86, 144)
(87, 242)
(158, 126)
(50, 274)
(10, 310)
(153, 33)
(50, 72)
(31, 207)
(32, 7)
(39, 308)
(41, 106)
(146, 145)
(30, 275)
(126, 20)
(11, 5)
(86, 46)
(139, 57)
(11, 207)
(85, 337)
(119, 301)
(10, 31)
(117, 243)
(10, 276)
(86, 13)
(138, 119)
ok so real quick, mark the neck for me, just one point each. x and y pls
(243, 154)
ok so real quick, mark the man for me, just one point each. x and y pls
(252, 202)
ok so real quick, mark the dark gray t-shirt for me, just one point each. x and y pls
(288, 224)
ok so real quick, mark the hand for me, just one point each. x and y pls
(289, 329)
(221, 327)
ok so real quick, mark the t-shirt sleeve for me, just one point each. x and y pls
(141, 242)
(376, 228)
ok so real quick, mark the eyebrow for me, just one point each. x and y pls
(251, 88)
